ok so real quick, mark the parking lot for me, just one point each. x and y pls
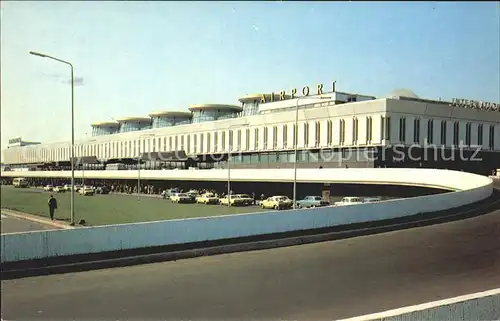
(111, 208)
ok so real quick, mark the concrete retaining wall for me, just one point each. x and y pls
(436, 178)
(478, 306)
(44, 244)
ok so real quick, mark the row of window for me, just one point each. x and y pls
(264, 138)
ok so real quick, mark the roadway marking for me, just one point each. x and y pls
(424, 306)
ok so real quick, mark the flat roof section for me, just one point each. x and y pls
(168, 113)
(106, 124)
(214, 106)
(134, 120)
(252, 97)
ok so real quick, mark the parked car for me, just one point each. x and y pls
(181, 198)
(236, 200)
(59, 189)
(102, 190)
(351, 200)
(243, 199)
(87, 191)
(278, 202)
(48, 188)
(193, 194)
(312, 201)
(207, 198)
(372, 199)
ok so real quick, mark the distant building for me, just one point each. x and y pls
(18, 142)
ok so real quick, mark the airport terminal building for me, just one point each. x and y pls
(333, 129)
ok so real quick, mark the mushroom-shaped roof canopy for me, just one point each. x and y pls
(214, 107)
(168, 113)
(134, 120)
(108, 124)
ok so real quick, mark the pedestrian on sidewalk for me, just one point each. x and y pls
(52, 206)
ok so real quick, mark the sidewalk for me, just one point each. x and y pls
(38, 219)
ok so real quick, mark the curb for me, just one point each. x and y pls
(7, 274)
(29, 217)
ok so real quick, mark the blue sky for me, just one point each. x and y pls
(136, 57)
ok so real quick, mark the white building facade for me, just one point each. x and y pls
(333, 130)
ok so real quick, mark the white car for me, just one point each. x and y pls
(87, 191)
(182, 198)
(48, 188)
(351, 200)
(59, 189)
(207, 198)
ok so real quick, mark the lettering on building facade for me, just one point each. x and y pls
(15, 140)
(475, 104)
(306, 91)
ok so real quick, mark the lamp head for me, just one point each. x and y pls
(34, 53)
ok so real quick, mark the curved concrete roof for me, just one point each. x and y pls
(252, 97)
(214, 106)
(403, 92)
(171, 113)
(134, 119)
(106, 124)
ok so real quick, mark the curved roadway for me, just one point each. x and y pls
(328, 280)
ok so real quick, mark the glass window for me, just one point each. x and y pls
(456, 133)
(402, 129)
(303, 156)
(238, 140)
(264, 158)
(313, 157)
(247, 138)
(430, 131)
(255, 158)
(306, 134)
(265, 137)
(480, 134)
(283, 157)
(492, 137)
(416, 130)
(318, 134)
(443, 132)
(275, 137)
(273, 158)
(285, 135)
(342, 131)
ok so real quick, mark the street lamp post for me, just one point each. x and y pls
(295, 143)
(229, 162)
(139, 166)
(72, 220)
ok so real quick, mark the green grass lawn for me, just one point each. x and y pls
(110, 209)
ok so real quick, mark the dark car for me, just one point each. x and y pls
(102, 190)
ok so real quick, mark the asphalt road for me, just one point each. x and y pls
(328, 280)
(11, 224)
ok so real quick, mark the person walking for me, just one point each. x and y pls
(52, 206)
